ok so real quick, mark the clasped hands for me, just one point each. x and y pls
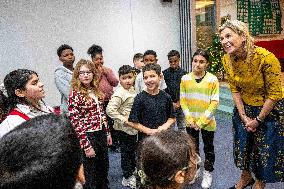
(194, 126)
(250, 124)
(149, 131)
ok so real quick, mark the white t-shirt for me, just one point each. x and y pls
(12, 121)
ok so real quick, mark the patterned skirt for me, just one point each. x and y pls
(261, 152)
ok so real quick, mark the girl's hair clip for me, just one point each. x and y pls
(143, 177)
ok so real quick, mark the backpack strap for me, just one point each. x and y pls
(18, 113)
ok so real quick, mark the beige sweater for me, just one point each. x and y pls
(119, 108)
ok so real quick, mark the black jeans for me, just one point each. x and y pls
(208, 141)
(128, 145)
(96, 168)
(113, 132)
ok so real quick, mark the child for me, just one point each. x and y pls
(199, 98)
(152, 110)
(89, 121)
(25, 93)
(106, 81)
(172, 77)
(118, 109)
(167, 160)
(43, 152)
(63, 74)
(138, 62)
(149, 56)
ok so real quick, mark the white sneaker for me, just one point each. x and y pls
(196, 176)
(207, 180)
(129, 182)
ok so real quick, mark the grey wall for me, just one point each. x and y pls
(31, 31)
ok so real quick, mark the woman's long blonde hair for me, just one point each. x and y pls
(79, 87)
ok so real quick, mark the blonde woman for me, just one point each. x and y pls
(254, 77)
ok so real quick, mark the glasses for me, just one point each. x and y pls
(85, 72)
(196, 165)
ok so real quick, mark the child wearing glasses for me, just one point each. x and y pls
(89, 121)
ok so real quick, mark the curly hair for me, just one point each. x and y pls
(242, 30)
(78, 86)
(150, 52)
(62, 48)
(173, 53)
(94, 50)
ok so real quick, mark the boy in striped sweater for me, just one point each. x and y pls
(199, 98)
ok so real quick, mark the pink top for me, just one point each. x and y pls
(107, 82)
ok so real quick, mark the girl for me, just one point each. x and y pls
(25, 93)
(89, 120)
(167, 160)
(199, 98)
(106, 82)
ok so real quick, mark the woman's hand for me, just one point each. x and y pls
(90, 153)
(103, 70)
(109, 140)
(252, 125)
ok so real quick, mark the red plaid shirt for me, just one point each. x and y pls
(86, 115)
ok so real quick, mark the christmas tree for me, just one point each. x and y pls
(216, 53)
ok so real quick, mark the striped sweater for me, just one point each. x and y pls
(200, 100)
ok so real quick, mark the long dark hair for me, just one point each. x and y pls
(3, 106)
(17, 79)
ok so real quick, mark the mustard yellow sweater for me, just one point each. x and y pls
(257, 80)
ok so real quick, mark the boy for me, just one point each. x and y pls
(152, 110)
(149, 56)
(63, 74)
(138, 62)
(118, 109)
(172, 77)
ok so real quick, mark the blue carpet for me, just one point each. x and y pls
(225, 174)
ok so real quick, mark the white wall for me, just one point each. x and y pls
(31, 31)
